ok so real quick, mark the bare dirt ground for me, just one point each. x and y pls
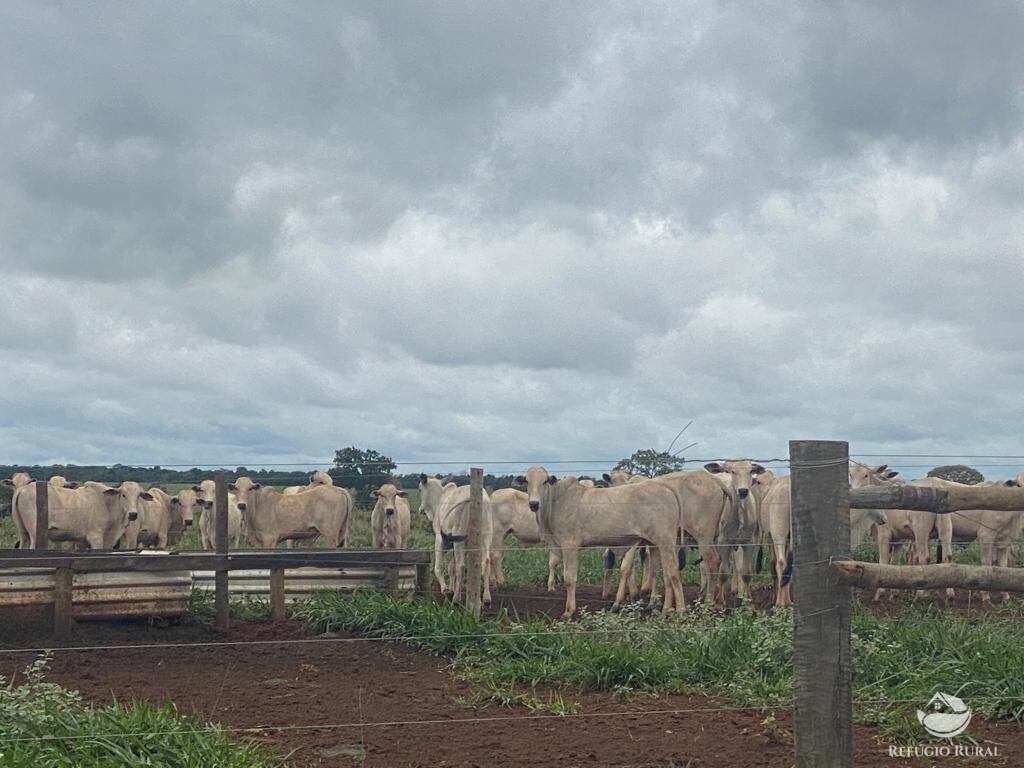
(349, 701)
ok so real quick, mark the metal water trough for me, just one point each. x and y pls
(302, 582)
(101, 595)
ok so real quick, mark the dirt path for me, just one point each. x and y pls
(358, 690)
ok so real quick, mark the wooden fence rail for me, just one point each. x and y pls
(823, 577)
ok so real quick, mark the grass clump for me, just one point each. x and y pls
(47, 726)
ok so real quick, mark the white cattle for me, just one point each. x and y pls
(737, 527)
(271, 517)
(510, 514)
(205, 493)
(391, 518)
(573, 516)
(446, 505)
(94, 515)
(614, 478)
(153, 525)
(775, 518)
(59, 481)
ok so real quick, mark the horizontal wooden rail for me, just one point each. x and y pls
(941, 500)
(974, 577)
(92, 562)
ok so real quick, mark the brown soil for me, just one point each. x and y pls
(348, 702)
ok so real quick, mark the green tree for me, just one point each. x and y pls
(958, 473)
(650, 463)
(361, 469)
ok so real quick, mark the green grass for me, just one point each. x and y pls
(741, 656)
(46, 726)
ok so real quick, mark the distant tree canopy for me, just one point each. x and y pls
(650, 463)
(958, 473)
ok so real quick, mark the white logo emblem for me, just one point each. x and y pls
(948, 716)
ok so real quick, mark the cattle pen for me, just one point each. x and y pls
(822, 644)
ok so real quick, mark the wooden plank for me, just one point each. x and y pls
(220, 519)
(974, 577)
(940, 500)
(42, 532)
(63, 621)
(474, 561)
(822, 668)
(277, 594)
(91, 562)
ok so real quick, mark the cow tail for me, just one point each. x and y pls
(787, 574)
(938, 552)
(643, 554)
(609, 559)
(681, 557)
(759, 561)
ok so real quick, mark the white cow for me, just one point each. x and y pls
(775, 517)
(614, 478)
(510, 514)
(737, 527)
(205, 497)
(153, 525)
(271, 517)
(573, 516)
(391, 518)
(94, 515)
(446, 505)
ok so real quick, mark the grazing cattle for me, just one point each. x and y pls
(271, 517)
(573, 516)
(737, 527)
(205, 493)
(94, 515)
(995, 530)
(391, 518)
(510, 514)
(446, 505)
(153, 525)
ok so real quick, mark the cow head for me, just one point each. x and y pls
(741, 473)
(386, 495)
(862, 475)
(245, 492)
(430, 495)
(538, 483)
(18, 479)
(185, 503)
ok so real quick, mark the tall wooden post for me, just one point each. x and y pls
(220, 523)
(822, 669)
(63, 621)
(42, 532)
(277, 612)
(474, 561)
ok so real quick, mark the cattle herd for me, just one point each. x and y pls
(728, 510)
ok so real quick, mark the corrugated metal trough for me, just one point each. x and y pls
(302, 582)
(123, 594)
(101, 595)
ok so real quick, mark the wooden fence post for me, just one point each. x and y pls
(63, 621)
(474, 561)
(822, 669)
(42, 532)
(277, 594)
(220, 522)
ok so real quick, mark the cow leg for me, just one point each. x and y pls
(884, 553)
(439, 565)
(570, 566)
(673, 582)
(625, 567)
(552, 565)
(988, 556)
(497, 572)
(486, 563)
(609, 569)
(1003, 560)
(708, 567)
(944, 524)
(649, 584)
(726, 553)
(779, 567)
(459, 560)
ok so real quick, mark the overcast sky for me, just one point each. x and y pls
(243, 232)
